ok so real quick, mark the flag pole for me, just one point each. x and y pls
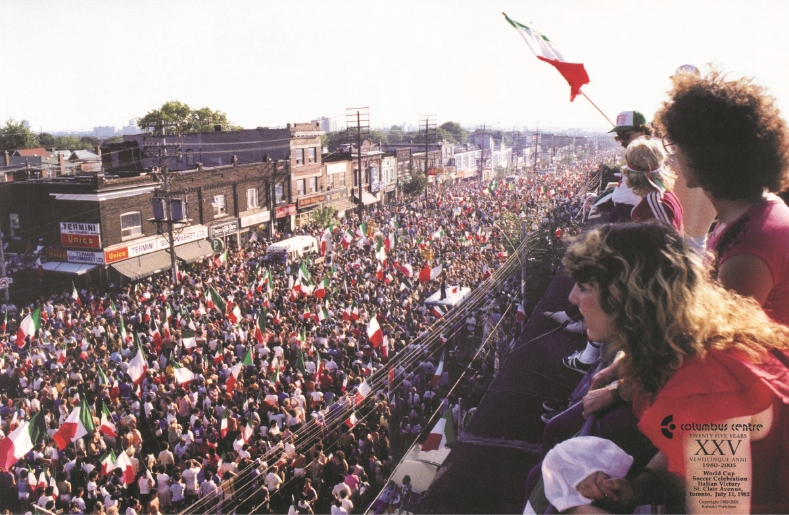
(598, 109)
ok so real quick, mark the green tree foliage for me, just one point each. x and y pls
(189, 120)
(395, 135)
(335, 139)
(453, 129)
(74, 143)
(377, 136)
(324, 216)
(15, 135)
(417, 184)
(46, 140)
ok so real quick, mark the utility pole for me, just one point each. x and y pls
(430, 129)
(2, 268)
(536, 137)
(482, 156)
(358, 118)
(162, 201)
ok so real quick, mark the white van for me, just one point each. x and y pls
(294, 247)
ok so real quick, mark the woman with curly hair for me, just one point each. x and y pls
(728, 138)
(701, 364)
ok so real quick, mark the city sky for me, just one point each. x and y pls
(79, 64)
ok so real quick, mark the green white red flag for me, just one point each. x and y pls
(78, 424)
(574, 73)
(182, 374)
(107, 426)
(28, 327)
(21, 440)
(443, 433)
(374, 332)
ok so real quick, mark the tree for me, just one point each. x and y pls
(377, 136)
(189, 120)
(335, 139)
(459, 134)
(324, 216)
(395, 135)
(15, 135)
(46, 140)
(417, 184)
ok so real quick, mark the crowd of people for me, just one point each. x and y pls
(255, 383)
(687, 336)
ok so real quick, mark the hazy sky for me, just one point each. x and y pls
(73, 65)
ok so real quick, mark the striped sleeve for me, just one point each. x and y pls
(659, 209)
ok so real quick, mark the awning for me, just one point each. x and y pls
(194, 251)
(143, 266)
(67, 268)
(343, 205)
(368, 198)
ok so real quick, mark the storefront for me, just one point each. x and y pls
(338, 199)
(257, 224)
(306, 206)
(227, 231)
(284, 216)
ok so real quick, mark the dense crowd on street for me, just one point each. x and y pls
(220, 392)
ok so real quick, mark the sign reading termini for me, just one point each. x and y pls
(80, 235)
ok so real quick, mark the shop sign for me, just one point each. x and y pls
(216, 245)
(283, 211)
(79, 228)
(54, 254)
(115, 255)
(339, 194)
(185, 236)
(85, 241)
(220, 230)
(311, 201)
(84, 256)
(258, 218)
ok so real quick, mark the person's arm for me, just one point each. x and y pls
(747, 275)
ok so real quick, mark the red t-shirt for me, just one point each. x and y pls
(664, 207)
(762, 231)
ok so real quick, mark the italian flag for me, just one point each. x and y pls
(439, 234)
(443, 433)
(21, 440)
(374, 332)
(124, 463)
(217, 301)
(77, 425)
(574, 73)
(235, 371)
(439, 370)
(188, 338)
(260, 327)
(352, 420)
(391, 241)
(304, 274)
(521, 314)
(347, 239)
(28, 327)
(437, 311)
(182, 374)
(107, 463)
(320, 290)
(218, 357)
(221, 259)
(137, 366)
(247, 432)
(223, 425)
(361, 232)
(234, 314)
(323, 314)
(406, 269)
(107, 426)
(75, 295)
(361, 392)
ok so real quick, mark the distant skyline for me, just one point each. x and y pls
(72, 66)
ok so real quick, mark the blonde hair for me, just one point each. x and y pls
(664, 304)
(647, 156)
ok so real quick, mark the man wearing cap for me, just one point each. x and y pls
(630, 125)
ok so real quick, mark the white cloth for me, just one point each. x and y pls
(573, 460)
(624, 195)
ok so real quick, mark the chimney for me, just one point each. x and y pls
(199, 167)
(7, 159)
(287, 126)
(98, 150)
(53, 150)
(218, 128)
(62, 163)
(234, 160)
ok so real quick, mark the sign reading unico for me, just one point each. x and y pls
(79, 228)
(85, 241)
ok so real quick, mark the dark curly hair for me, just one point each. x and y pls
(731, 133)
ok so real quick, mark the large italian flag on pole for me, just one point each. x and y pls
(443, 433)
(77, 425)
(21, 440)
(137, 366)
(574, 73)
(28, 327)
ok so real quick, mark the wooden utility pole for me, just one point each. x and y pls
(358, 118)
(430, 129)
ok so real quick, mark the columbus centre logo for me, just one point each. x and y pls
(667, 427)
